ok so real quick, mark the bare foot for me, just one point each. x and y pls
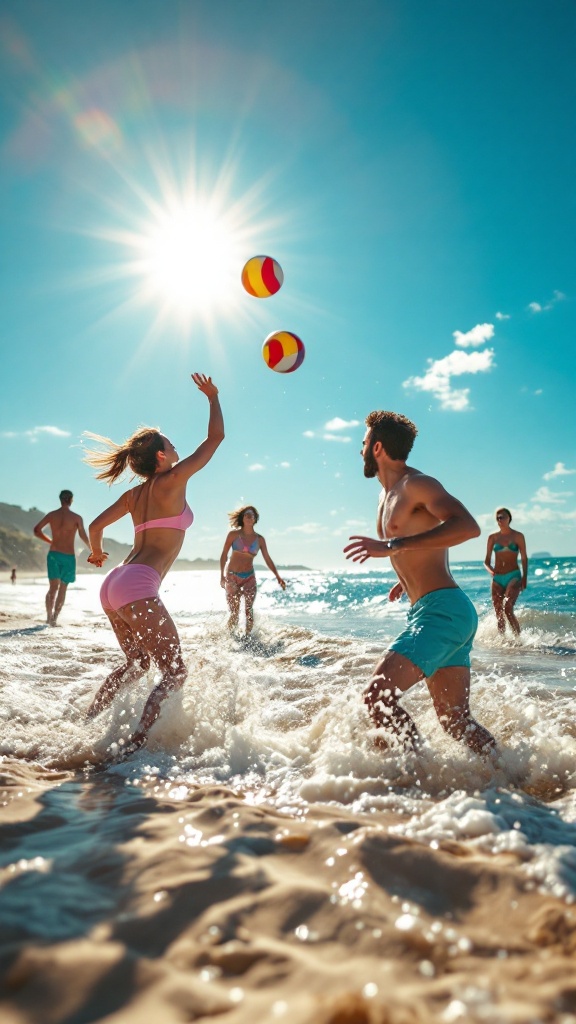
(411, 741)
(138, 740)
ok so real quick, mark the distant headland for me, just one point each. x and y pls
(19, 547)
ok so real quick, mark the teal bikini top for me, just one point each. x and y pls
(506, 547)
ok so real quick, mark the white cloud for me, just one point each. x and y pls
(527, 516)
(502, 316)
(537, 307)
(37, 432)
(538, 514)
(548, 497)
(256, 467)
(559, 470)
(53, 431)
(328, 437)
(305, 528)
(440, 371)
(284, 465)
(339, 424)
(477, 336)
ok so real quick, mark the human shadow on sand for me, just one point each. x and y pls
(67, 861)
(27, 631)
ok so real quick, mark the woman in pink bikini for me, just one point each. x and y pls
(240, 580)
(129, 594)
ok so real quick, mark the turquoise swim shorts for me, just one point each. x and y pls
(439, 632)
(61, 567)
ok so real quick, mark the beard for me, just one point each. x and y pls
(370, 464)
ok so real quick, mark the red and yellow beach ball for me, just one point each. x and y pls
(283, 351)
(262, 276)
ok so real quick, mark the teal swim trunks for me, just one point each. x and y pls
(61, 567)
(439, 632)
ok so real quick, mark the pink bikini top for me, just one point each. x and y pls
(181, 522)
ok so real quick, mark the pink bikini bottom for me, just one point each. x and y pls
(129, 583)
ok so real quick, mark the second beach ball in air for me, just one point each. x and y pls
(262, 276)
(283, 351)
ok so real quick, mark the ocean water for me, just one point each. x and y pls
(280, 720)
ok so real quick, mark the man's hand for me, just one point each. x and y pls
(281, 582)
(205, 385)
(366, 547)
(97, 559)
(396, 592)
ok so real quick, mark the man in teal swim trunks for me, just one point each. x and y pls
(417, 522)
(61, 560)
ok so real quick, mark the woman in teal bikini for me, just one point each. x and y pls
(239, 579)
(507, 580)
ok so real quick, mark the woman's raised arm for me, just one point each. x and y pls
(204, 452)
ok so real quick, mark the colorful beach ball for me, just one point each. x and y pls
(262, 276)
(283, 351)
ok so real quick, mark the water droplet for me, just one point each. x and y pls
(426, 967)
(370, 990)
(405, 922)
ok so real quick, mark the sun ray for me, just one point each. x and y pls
(180, 249)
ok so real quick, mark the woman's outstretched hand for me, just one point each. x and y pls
(205, 385)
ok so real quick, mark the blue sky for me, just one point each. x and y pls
(411, 167)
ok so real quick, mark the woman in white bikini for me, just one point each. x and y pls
(161, 515)
(507, 580)
(239, 579)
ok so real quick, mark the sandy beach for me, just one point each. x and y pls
(219, 905)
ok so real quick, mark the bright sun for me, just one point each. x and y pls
(191, 259)
(182, 250)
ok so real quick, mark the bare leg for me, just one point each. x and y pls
(51, 600)
(391, 678)
(450, 692)
(510, 598)
(498, 602)
(153, 629)
(59, 602)
(137, 662)
(249, 598)
(233, 599)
